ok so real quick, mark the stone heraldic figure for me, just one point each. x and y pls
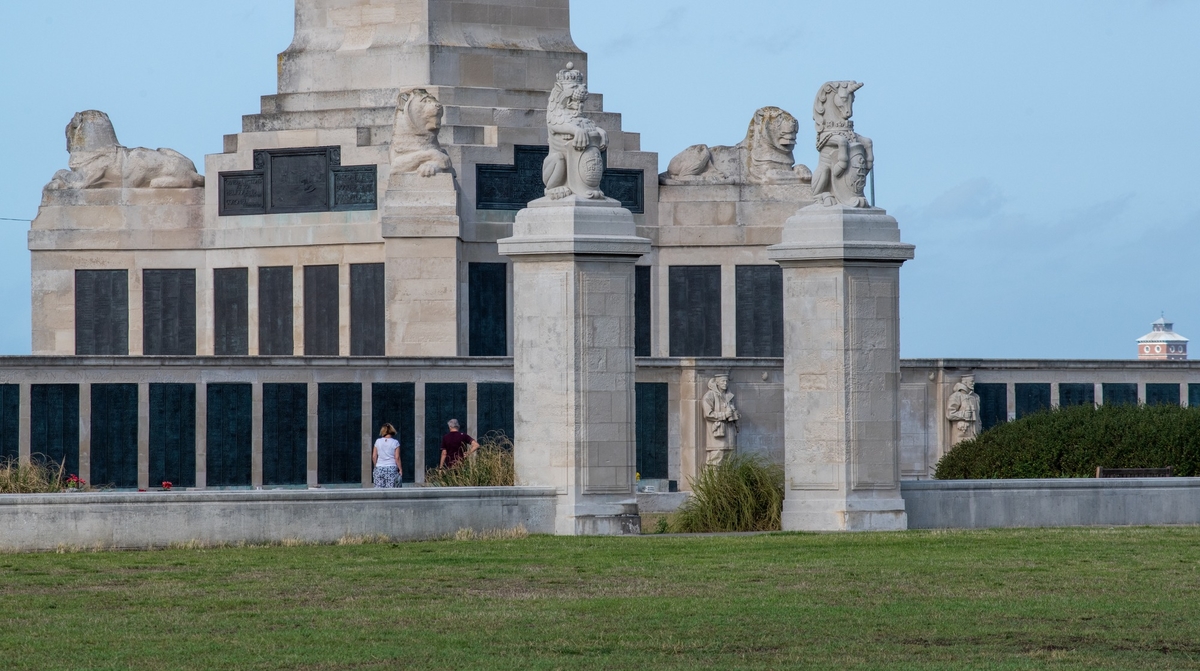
(963, 410)
(766, 156)
(845, 156)
(722, 418)
(415, 147)
(98, 161)
(575, 165)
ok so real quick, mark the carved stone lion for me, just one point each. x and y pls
(98, 161)
(764, 157)
(575, 165)
(846, 157)
(415, 146)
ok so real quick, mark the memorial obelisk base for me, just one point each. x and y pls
(573, 367)
(841, 287)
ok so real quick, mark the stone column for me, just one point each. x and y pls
(422, 250)
(841, 287)
(573, 359)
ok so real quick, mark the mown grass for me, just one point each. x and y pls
(1029, 599)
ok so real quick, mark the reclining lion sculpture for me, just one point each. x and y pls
(764, 157)
(98, 161)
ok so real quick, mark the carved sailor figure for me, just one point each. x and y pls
(846, 156)
(575, 165)
(963, 411)
(722, 418)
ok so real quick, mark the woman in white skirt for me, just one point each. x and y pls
(385, 457)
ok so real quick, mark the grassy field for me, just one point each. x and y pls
(1038, 599)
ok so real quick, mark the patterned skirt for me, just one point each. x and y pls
(387, 477)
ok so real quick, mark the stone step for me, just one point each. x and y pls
(449, 96)
(382, 117)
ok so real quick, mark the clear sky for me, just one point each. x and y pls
(1042, 156)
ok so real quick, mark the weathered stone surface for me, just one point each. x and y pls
(98, 161)
(764, 157)
(415, 146)
(842, 369)
(846, 157)
(573, 359)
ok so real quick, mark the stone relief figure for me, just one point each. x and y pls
(764, 157)
(98, 161)
(415, 146)
(575, 165)
(963, 411)
(722, 418)
(846, 157)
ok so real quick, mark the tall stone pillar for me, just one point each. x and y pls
(573, 363)
(841, 303)
(573, 253)
(423, 250)
(841, 289)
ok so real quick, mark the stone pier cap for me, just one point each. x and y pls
(820, 234)
(574, 226)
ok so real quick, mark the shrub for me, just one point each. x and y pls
(34, 478)
(743, 493)
(490, 466)
(1072, 442)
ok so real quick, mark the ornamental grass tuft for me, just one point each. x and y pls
(32, 478)
(743, 493)
(1072, 442)
(490, 466)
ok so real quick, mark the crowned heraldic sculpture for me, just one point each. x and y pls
(846, 158)
(575, 165)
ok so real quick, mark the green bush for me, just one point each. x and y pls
(1072, 442)
(741, 494)
(490, 466)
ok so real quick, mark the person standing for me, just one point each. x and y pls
(453, 443)
(385, 458)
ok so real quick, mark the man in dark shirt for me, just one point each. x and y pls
(452, 445)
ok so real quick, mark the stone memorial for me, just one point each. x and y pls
(764, 157)
(841, 266)
(573, 253)
(846, 157)
(98, 161)
(722, 419)
(963, 411)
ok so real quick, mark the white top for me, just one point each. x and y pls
(385, 451)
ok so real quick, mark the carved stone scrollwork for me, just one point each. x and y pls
(98, 161)
(963, 411)
(764, 157)
(846, 157)
(722, 419)
(415, 147)
(575, 165)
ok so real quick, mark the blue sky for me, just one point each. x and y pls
(1041, 155)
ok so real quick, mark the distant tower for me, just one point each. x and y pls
(1162, 344)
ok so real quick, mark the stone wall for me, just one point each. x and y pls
(991, 504)
(159, 519)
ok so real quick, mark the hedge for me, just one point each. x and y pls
(1072, 442)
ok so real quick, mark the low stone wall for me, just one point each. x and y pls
(988, 504)
(158, 519)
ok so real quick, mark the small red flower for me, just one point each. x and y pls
(166, 485)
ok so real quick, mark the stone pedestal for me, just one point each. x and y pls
(841, 275)
(573, 359)
(422, 248)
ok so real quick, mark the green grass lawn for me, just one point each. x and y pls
(1037, 599)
